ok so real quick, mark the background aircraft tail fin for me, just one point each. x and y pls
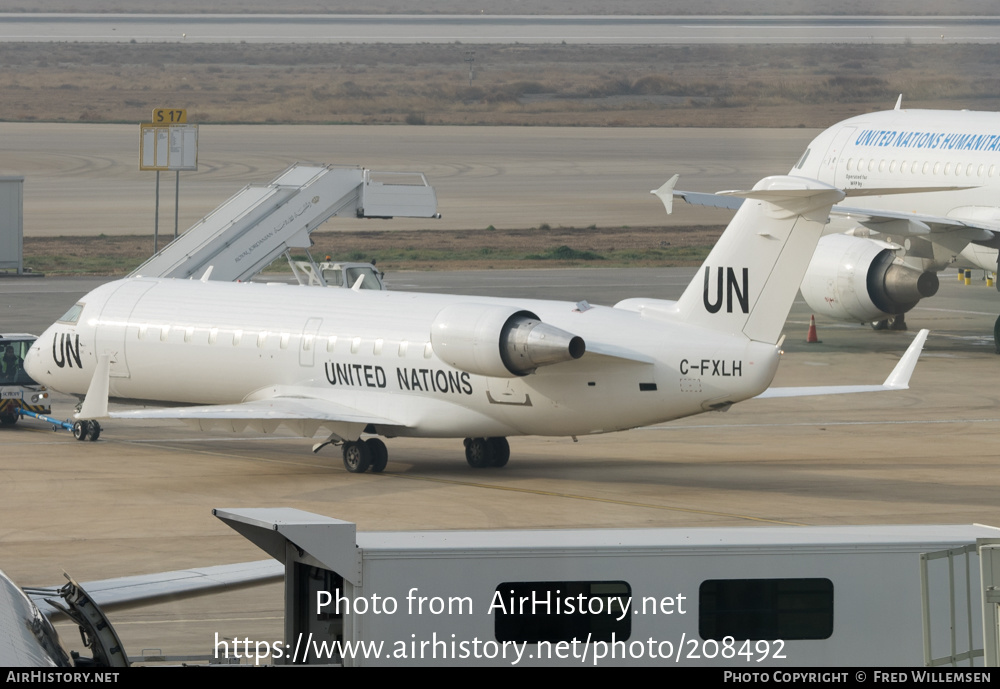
(750, 278)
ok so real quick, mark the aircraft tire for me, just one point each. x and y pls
(379, 454)
(357, 457)
(94, 432)
(880, 325)
(81, 429)
(478, 453)
(501, 451)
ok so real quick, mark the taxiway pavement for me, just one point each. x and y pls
(140, 499)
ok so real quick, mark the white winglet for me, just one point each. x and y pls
(666, 193)
(899, 379)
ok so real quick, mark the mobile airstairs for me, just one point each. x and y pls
(261, 222)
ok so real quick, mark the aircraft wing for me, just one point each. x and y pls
(151, 588)
(899, 379)
(303, 415)
(271, 409)
(954, 233)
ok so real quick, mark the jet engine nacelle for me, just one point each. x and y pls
(499, 341)
(857, 279)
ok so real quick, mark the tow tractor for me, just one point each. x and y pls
(338, 274)
(17, 390)
(21, 396)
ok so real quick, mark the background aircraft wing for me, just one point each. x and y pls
(150, 588)
(929, 227)
(953, 233)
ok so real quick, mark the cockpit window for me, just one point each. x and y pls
(73, 315)
(802, 160)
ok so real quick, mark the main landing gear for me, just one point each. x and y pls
(362, 455)
(487, 452)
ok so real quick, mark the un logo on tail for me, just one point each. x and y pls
(733, 286)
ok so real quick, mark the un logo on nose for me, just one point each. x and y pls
(65, 350)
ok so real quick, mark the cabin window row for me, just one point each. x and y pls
(754, 609)
(917, 167)
(264, 338)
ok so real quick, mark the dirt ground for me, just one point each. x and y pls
(461, 250)
(522, 85)
(665, 7)
(540, 85)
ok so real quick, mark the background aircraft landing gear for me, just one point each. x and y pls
(357, 456)
(896, 322)
(486, 452)
(86, 430)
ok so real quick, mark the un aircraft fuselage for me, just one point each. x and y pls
(186, 342)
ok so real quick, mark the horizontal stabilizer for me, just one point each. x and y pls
(666, 193)
(899, 379)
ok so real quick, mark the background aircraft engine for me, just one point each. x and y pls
(500, 341)
(857, 279)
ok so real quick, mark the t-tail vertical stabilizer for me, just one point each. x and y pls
(750, 278)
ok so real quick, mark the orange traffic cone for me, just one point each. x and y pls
(811, 337)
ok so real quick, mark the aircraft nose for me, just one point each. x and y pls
(33, 359)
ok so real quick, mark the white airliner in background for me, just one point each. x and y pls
(391, 364)
(889, 246)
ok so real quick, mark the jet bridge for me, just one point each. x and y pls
(261, 222)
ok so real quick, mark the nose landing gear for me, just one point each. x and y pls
(86, 430)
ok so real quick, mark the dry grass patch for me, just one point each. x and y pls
(554, 85)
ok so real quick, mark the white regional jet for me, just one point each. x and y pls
(392, 364)
(886, 248)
